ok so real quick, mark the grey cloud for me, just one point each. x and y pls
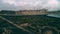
(22, 6)
(6, 6)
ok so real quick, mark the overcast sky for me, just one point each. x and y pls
(29, 4)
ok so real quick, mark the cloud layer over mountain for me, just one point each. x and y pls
(29, 4)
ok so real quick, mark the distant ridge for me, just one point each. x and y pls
(25, 12)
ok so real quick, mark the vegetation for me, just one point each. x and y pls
(40, 20)
(37, 19)
(7, 12)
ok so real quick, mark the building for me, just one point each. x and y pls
(32, 12)
(24, 12)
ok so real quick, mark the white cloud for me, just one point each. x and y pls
(32, 4)
(53, 4)
(21, 3)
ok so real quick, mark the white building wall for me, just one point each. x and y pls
(31, 12)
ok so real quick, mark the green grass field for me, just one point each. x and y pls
(32, 19)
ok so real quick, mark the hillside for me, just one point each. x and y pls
(54, 12)
(33, 20)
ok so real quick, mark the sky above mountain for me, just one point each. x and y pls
(29, 4)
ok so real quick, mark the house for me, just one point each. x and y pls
(32, 12)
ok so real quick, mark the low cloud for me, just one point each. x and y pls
(30, 4)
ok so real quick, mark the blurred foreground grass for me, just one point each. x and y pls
(37, 19)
